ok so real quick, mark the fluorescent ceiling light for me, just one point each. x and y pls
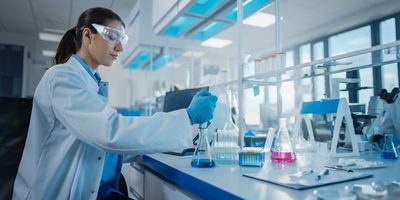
(196, 54)
(54, 30)
(260, 19)
(48, 53)
(50, 37)
(174, 65)
(216, 43)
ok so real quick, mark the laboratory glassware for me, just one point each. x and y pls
(281, 150)
(389, 150)
(202, 155)
(225, 147)
(269, 140)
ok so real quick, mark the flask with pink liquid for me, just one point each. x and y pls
(281, 150)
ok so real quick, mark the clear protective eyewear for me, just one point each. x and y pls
(111, 35)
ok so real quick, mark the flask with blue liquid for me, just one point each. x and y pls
(389, 150)
(202, 155)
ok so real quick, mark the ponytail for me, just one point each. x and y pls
(68, 46)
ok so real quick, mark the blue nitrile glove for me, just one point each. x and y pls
(201, 107)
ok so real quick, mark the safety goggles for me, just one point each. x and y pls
(111, 35)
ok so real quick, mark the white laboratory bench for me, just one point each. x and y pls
(171, 177)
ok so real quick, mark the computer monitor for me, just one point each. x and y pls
(15, 116)
(179, 99)
(176, 100)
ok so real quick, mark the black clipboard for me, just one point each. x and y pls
(283, 178)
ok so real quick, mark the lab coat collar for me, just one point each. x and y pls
(95, 76)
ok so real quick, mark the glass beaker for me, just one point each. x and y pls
(389, 150)
(202, 155)
(281, 150)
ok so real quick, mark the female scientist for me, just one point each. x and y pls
(72, 126)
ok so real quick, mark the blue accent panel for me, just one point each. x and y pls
(320, 107)
(210, 30)
(249, 7)
(180, 25)
(203, 7)
(160, 61)
(142, 58)
(190, 183)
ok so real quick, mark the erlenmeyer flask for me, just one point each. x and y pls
(281, 150)
(202, 155)
(389, 150)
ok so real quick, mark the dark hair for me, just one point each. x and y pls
(72, 39)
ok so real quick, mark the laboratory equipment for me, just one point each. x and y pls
(322, 174)
(302, 173)
(225, 148)
(254, 140)
(269, 140)
(281, 150)
(389, 97)
(389, 150)
(335, 194)
(202, 155)
(375, 190)
(341, 110)
(251, 156)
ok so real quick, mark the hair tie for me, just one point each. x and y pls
(76, 29)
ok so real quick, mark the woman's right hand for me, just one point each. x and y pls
(202, 107)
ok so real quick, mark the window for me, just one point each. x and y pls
(353, 40)
(364, 95)
(252, 105)
(289, 59)
(319, 81)
(306, 83)
(288, 96)
(287, 88)
(389, 72)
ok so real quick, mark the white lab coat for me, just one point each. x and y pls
(390, 122)
(71, 127)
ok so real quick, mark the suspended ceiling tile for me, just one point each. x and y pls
(16, 16)
(124, 7)
(78, 6)
(2, 28)
(52, 14)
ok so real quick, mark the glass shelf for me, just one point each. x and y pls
(380, 55)
(327, 66)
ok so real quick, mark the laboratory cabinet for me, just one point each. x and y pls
(172, 177)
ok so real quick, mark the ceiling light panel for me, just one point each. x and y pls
(50, 37)
(260, 19)
(216, 43)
